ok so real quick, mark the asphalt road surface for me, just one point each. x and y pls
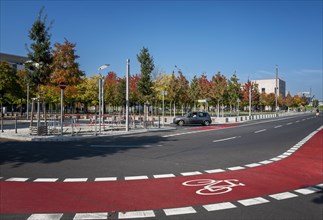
(162, 162)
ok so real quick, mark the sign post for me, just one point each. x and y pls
(62, 86)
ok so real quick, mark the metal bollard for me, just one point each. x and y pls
(158, 121)
(95, 132)
(16, 124)
(72, 123)
(1, 123)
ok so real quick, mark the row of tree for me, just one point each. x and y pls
(48, 67)
(82, 92)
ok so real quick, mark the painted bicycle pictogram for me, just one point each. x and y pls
(213, 187)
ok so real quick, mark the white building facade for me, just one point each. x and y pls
(16, 62)
(268, 86)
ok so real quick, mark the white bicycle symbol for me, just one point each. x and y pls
(213, 187)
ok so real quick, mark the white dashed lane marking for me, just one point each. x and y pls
(50, 180)
(253, 165)
(219, 206)
(137, 214)
(285, 195)
(236, 168)
(105, 179)
(191, 173)
(94, 215)
(136, 177)
(164, 175)
(278, 126)
(215, 171)
(16, 179)
(260, 131)
(253, 201)
(179, 211)
(75, 180)
(55, 216)
(308, 190)
(226, 139)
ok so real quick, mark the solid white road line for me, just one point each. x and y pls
(284, 195)
(137, 214)
(94, 215)
(219, 206)
(225, 139)
(253, 201)
(179, 211)
(54, 216)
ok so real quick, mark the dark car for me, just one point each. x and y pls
(193, 118)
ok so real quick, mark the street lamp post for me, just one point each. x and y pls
(250, 101)
(62, 86)
(27, 81)
(101, 90)
(127, 94)
(238, 101)
(164, 93)
(276, 90)
(27, 100)
(100, 85)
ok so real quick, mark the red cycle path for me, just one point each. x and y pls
(303, 168)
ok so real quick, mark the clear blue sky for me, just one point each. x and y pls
(249, 37)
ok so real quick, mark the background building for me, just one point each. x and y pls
(17, 62)
(268, 86)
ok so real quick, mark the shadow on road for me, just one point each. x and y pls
(19, 153)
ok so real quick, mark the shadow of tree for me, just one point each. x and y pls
(19, 153)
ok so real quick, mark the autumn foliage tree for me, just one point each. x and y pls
(204, 87)
(65, 68)
(194, 91)
(254, 94)
(218, 89)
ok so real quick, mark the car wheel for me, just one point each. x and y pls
(181, 123)
(206, 123)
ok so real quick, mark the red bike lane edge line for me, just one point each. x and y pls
(302, 169)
